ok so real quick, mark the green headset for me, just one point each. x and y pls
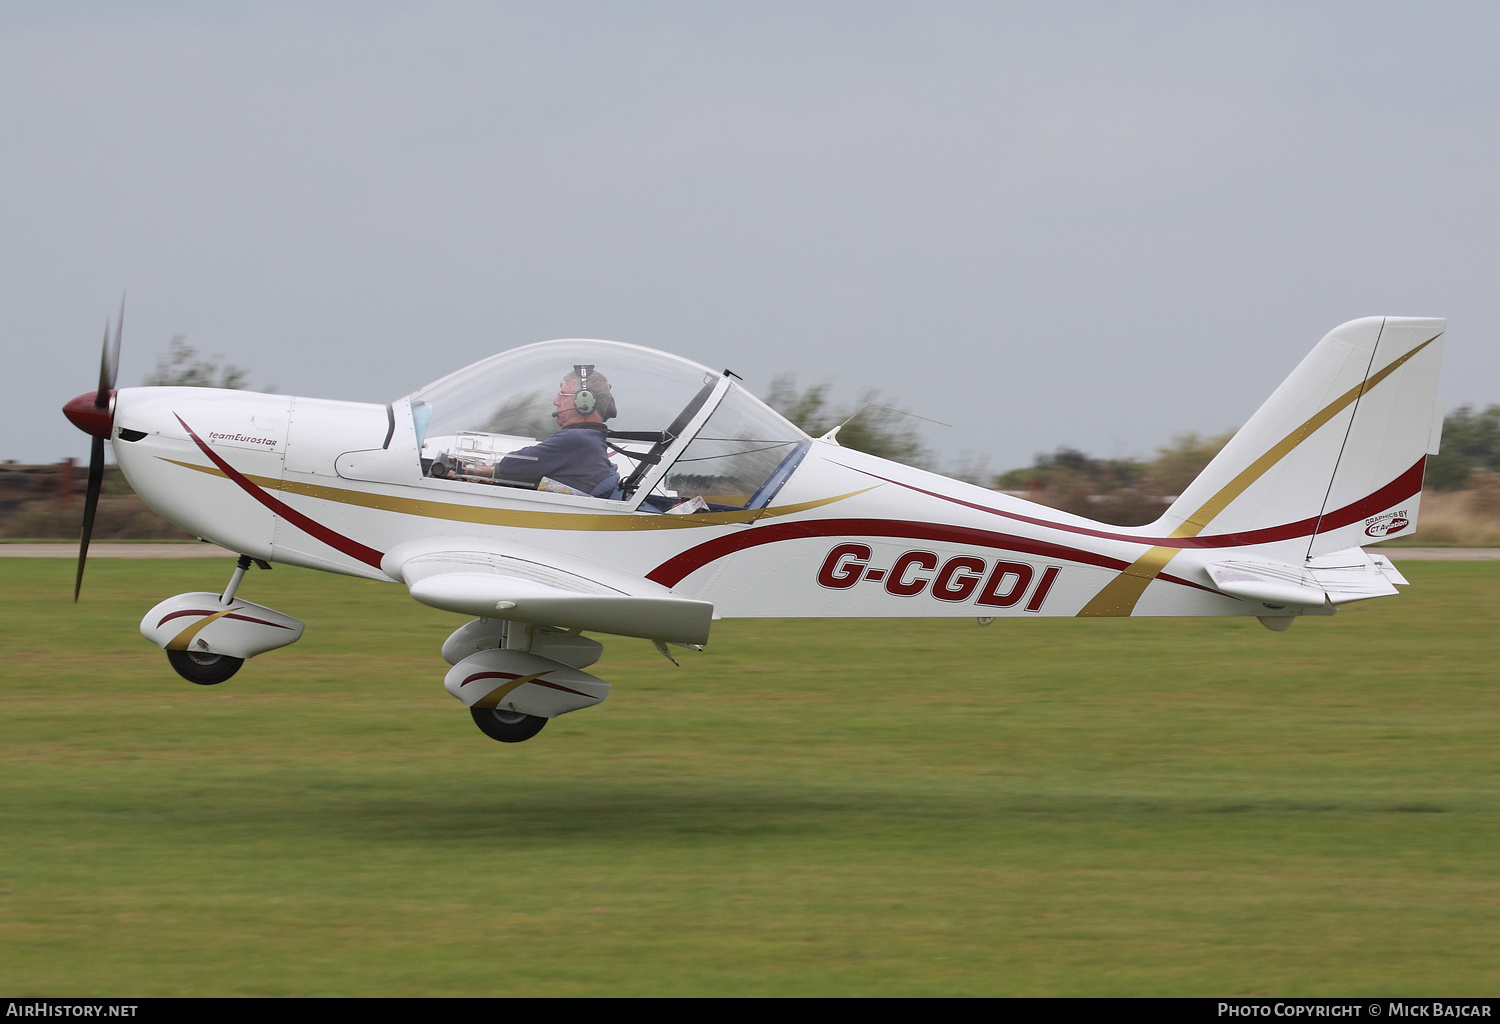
(584, 400)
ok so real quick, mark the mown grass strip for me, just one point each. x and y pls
(925, 807)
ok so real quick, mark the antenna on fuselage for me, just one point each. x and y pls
(832, 434)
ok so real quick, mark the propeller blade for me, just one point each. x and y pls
(109, 360)
(103, 368)
(98, 421)
(90, 506)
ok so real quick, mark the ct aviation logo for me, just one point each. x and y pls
(1385, 525)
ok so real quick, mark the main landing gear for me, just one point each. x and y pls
(513, 676)
(507, 726)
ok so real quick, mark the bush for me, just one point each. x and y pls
(1470, 441)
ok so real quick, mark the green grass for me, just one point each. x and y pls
(859, 807)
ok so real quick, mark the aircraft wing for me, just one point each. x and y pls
(546, 589)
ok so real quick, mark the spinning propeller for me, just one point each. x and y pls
(94, 413)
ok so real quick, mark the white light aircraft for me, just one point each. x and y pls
(716, 506)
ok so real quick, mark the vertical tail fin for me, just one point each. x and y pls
(1334, 458)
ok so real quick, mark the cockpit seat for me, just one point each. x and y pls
(609, 487)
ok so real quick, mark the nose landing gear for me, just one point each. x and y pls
(208, 636)
(202, 668)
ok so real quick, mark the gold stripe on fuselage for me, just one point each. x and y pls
(519, 518)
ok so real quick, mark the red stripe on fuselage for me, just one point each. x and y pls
(674, 570)
(334, 539)
(560, 686)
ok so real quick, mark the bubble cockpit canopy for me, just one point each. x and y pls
(678, 431)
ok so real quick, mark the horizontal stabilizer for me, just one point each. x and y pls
(1268, 582)
(1388, 570)
(1353, 575)
(1344, 576)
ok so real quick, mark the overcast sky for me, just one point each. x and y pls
(1049, 224)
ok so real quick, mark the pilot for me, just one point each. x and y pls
(575, 456)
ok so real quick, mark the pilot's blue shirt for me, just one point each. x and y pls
(575, 456)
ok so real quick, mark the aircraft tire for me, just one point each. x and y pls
(507, 726)
(204, 669)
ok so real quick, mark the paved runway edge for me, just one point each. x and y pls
(107, 550)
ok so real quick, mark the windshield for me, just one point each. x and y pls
(735, 454)
(494, 423)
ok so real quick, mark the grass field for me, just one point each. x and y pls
(862, 807)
